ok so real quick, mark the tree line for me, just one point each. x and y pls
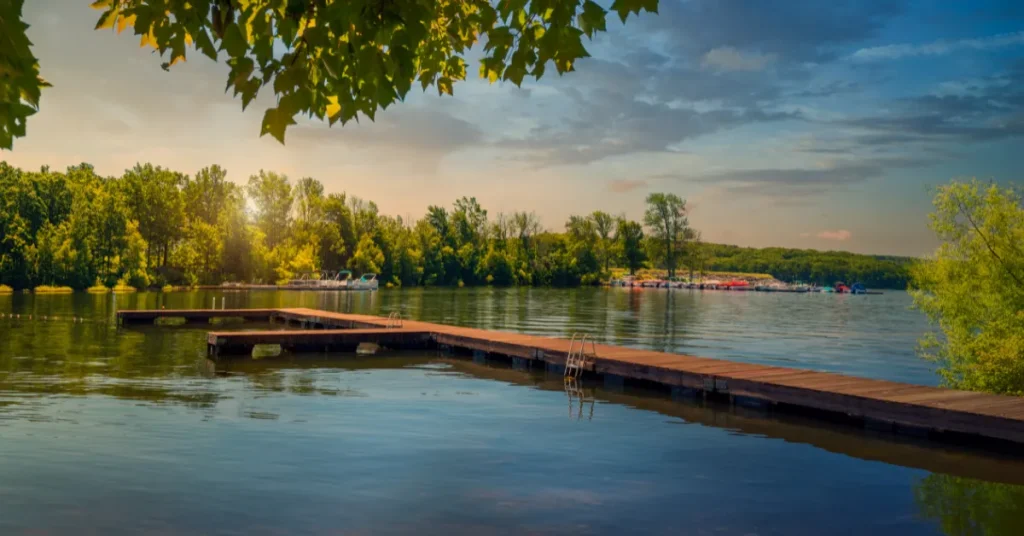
(808, 265)
(154, 226)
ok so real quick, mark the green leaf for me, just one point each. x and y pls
(625, 7)
(107, 19)
(499, 39)
(444, 85)
(516, 69)
(275, 123)
(491, 69)
(592, 18)
(233, 43)
(205, 45)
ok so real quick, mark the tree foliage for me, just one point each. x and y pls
(973, 287)
(803, 265)
(630, 236)
(20, 83)
(329, 59)
(666, 217)
(154, 226)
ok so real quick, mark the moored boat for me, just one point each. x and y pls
(624, 281)
(366, 282)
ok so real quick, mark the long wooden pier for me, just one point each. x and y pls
(932, 411)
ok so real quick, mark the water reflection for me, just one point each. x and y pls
(579, 398)
(873, 336)
(968, 507)
(306, 436)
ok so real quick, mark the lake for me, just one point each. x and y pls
(108, 431)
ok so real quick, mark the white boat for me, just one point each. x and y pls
(625, 281)
(325, 280)
(366, 282)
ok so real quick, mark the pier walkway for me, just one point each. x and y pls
(931, 411)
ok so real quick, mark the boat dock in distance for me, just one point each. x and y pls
(936, 413)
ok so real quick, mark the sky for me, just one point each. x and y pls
(796, 123)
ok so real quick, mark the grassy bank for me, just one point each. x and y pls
(47, 289)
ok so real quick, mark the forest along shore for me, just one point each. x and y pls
(152, 227)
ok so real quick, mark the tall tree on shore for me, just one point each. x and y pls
(630, 238)
(207, 196)
(695, 253)
(526, 227)
(604, 226)
(339, 240)
(666, 217)
(583, 243)
(973, 287)
(272, 195)
(155, 200)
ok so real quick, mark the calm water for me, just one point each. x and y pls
(106, 431)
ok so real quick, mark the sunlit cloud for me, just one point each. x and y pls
(839, 235)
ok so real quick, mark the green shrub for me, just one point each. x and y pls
(98, 288)
(122, 287)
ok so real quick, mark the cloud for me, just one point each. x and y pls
(839, 235)
(938, 48)
(621, 186)
(833, 173)
(794, 31)
(829, 89)
(405, 129)
(730, 59)
(987, 110)
(611, 108)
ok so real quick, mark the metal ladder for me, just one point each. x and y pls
(578, 359)
(394, 320)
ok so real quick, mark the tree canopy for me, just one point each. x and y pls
(973, 287)
(328, 59)
(153, 226)
(666, 216)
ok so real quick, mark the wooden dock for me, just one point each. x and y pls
(221, 343)
(922, 410)
(194, 316)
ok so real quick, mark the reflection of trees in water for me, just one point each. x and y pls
(967, 507)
